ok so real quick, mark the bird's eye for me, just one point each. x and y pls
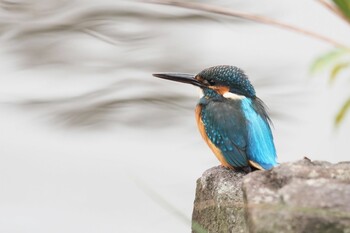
(211, 82)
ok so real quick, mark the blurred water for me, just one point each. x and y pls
(85, 127)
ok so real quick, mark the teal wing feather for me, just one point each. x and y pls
(225, 126)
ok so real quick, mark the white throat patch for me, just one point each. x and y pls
(201, 94)
(230, 95)
(227, 95)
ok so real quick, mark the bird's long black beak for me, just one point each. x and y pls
(181, 77)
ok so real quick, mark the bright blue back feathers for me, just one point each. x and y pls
(261, 148)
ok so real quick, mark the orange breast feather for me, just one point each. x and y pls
(216, 150)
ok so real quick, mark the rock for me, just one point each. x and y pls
(218, 206)
(299, 197)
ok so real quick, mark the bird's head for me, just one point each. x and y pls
(227, 81)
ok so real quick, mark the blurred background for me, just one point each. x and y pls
(91, 142)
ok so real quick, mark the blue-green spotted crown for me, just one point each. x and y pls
(229, 76)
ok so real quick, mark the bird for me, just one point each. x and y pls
(231, 119)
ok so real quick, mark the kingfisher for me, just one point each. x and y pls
(232, 120)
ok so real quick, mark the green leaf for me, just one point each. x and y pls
(327, 59)
(344, 7)
(342, 112)
(337, 69)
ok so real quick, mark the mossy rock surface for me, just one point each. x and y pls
(219, 206)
